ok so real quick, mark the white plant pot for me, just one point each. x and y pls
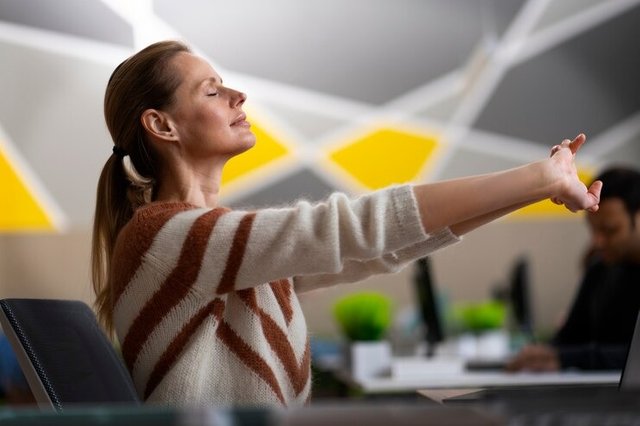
(487, 345)
(369, 359)
(493, 344)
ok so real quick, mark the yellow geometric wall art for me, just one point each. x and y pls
(385, 156)
(20, 209)
(549, 210)
(266, 150)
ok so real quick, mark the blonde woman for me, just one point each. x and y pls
(203, 298)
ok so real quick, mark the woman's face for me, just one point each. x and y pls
(207, 116)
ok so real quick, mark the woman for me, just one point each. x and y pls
(202, 298)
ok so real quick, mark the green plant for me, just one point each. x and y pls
(363, 316)
(482, 316)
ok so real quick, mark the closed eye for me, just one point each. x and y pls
(212, 94)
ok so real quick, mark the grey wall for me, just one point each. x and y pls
(495, 82)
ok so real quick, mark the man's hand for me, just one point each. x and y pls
(537, 358)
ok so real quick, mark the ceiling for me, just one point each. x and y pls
(491, 83)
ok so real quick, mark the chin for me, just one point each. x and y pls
(611, 259)
(241, 149)
(249, 143)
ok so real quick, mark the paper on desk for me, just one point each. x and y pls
(414, 367)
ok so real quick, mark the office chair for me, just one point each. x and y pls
(64, 355)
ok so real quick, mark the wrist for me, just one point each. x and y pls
(552, 178)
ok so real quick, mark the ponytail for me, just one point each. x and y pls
(113, 210)
(145, 80)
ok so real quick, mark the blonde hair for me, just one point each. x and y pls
(144, 80)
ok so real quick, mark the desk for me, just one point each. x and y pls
(471, 379)
(336, 414)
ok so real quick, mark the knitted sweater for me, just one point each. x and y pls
(205, 302)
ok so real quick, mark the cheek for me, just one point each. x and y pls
(210, 115)
(620, 241)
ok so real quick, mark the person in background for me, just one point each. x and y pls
(600, 324)
(203, 298)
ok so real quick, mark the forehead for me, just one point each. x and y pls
(193, 70)
(611, 210)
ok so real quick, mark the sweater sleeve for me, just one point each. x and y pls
(226, 251)
(354, 270)
(320, 238)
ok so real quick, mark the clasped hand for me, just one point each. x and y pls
(570, 191)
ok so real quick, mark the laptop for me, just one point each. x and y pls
(629, 381)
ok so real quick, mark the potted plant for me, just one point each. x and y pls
(364, 318)
(482, 324)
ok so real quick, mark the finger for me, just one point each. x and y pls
(594, 190)
(577, 142)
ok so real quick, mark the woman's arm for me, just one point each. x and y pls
(466, 203)
(357, 270)
(244, 249)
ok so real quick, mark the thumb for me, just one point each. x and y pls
(594, 190)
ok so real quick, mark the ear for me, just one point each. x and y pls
(158, 125)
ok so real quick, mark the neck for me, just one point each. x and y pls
(200, 187)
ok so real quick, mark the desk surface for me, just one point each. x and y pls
(336, 413)
(472, 379)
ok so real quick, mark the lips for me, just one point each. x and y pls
(240, 120)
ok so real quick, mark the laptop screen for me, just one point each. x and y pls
(630, 378)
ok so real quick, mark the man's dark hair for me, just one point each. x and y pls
(623, 183)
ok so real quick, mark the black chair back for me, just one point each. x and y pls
(64, 354)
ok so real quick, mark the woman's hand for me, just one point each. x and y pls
(570, 190)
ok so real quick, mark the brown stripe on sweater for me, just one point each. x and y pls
(170, 355)
(280, 343)
(228, 280)
(282, 291)
(135, 246)
(175, 287)
(250, 358)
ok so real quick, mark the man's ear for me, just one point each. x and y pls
(158, 125)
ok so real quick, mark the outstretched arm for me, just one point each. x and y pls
(466, 203)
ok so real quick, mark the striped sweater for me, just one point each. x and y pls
(205, 303)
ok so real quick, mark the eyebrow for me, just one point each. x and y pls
(208, 80)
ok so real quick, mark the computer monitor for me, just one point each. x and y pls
(520, 298)
(426, 293)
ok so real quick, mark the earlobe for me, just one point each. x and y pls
(157, 124)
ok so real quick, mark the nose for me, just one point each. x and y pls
(597, 240)
(238, 98)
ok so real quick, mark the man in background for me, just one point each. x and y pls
(599, 327)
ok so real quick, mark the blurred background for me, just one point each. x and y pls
(348, 95)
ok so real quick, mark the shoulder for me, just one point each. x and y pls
(157, 210)
(148, 220)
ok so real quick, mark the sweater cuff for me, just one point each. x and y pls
(444, 237)
(405, 215)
